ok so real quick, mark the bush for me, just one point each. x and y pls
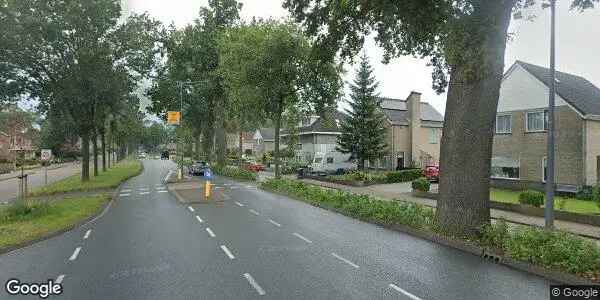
(421, 184)
(367, 177)
(494, 235)
(533, 198)
(403, 176)
(234, 172)
(20, 211)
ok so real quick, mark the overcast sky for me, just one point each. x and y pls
(578, 43)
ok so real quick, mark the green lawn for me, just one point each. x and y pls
(570, 204)
(109, 179)
(55, 216)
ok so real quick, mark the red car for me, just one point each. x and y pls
(255, 167)
(432, 173)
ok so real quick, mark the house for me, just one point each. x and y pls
(414, 131)
(233, 142)
(317, 135)
(5, 140)
(263, 141)
(520, 140)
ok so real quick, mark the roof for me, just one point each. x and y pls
(321, 125)
(267, 133)
(396, 112)
(583, 95)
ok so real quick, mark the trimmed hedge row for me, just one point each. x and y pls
(379, 177)
(550, 249)
(234, 172)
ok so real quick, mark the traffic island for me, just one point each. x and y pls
(195, 190)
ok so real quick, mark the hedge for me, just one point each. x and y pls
(551, 249)
(379, 177)
(421, 184)
(234, 172)
(404, 175)
(533, 198)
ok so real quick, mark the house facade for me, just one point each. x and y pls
(233, 142)
(520, 140)
(263, 141)
(414, 132)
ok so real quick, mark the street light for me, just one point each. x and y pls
(549, 208)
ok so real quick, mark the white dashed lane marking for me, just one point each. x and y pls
(254, 212)
(60, 278)
(87, 234)
(345, 260)
(274, 223)
(191, 208)
(239, 204)
(254, 284)
(75, 254)
(144, 193)
(199, 219)
(407, 294)
(302, 237)
(227, 252)
(210, 232)
(124, 195)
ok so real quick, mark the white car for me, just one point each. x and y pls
(142, 155)
(331, 162)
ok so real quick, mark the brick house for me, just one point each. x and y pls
(519, 149)
(412, 141)
(233, 142)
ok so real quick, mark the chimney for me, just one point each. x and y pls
(413, 105)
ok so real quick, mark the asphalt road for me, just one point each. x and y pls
(9, 189)
(253, 245)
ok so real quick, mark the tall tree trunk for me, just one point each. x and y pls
(221, 141)
(277, 129)
(95, 149)
(109, 150)
(467, 138)
(207, 143)
(85, 156)
(103, 145)
(241, 147)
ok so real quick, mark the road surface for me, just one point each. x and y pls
(254, 245)
(9, 188)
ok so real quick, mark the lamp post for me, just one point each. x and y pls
(549, 208)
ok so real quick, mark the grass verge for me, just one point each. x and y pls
(554, 250)
(22, 223)
(560, 203)
(109, 179)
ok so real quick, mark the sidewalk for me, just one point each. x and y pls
(402, 194)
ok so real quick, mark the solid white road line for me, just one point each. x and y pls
(345, 260)
(254, 212)
(87, 234)
(60, 279)
(191, 208)
(254, 284)
(407, 294)
(227, 252)
(75, 253)
(199, 219)
(124, 195)
(144, 193)
(125, 191)
(239, 204)
(274, 223)
(162, 191)
(302, 238)
(210, 232)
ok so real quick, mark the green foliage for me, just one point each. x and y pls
(495, 235)
(421, 184)
(404, 175)
(533, 198)
(363, 132)
(234, 172)
(20, 211)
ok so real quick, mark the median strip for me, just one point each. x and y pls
(227, 252)
(345, 260)
(302, 237)
(254, 284)
(405, 293)
(75, 254)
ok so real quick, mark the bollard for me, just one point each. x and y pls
(207, 189)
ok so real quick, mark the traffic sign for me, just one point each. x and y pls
(173, 117)
(46, 154)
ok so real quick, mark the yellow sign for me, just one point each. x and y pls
(173, 117)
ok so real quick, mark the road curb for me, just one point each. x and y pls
(552, 275)
(100, 212)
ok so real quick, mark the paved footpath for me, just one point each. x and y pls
(252, 245)
(577, 228)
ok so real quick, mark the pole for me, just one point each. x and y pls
(45, 174)
(180, 164)
(549, 209)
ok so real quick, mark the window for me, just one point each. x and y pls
(330, 160)
(505, 167)
(537, 121)
(433, 136)
(544, 169)
(504, 124)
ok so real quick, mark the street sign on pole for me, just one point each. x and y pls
(173, 117)
(46, 154)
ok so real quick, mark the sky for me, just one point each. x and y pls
(577, 43)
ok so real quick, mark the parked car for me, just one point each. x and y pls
(331, 162)
(142, 155)
(199, 168)
(432, 173)
(164, 155)
(254, 167)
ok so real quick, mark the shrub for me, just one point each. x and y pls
(596, 194)
(586, 193)
(533, 198)
(421, 184)
(367, 177)
(235, 172)
(494, 235)
(20, 210)
(403, 175)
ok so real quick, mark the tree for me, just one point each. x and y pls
(363, 131)
(465, 41)
(281, 73)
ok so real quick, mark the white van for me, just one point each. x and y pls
(331, 162)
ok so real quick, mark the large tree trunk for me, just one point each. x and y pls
(466, 148)
(95, 149)
(221, 141)
(85, 156)
(103, 145)
(241, 147)
(207, 143)
(277, 129)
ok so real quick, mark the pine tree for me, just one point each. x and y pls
(363, 131)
